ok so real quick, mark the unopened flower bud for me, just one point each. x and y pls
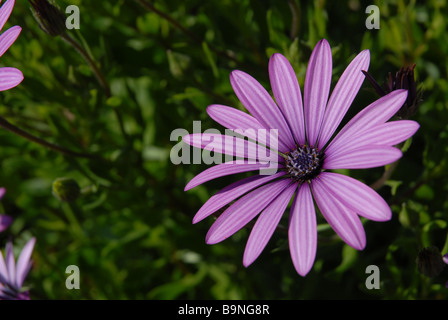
(403, 79)
(50, 18)
(430, 261)
(66, 189)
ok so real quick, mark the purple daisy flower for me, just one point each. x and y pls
(5, 220)
(9, 77)
(12, 276)
(306, 154)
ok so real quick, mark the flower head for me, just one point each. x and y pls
(13, 275)
(307, 152)
(9, 77)
(5, 220)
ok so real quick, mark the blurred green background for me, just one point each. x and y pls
(130, 231)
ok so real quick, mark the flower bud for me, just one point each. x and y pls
(66, 189)
(430, 261)
(50, 18)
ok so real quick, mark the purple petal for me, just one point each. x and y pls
(356, 196)
(5, 222)
(223, 169)
(244, 210)
(342, 220)
(8, 37)
(3, 270)
(9, 78)
(317, 88)
(260, 104)
(387, 134)
(2, 192)
(374, 114)
(445, 258)
(362, 158)
(266, 224)
(343, 95)
(5, 12)
(23, 263)
(235, 119)
(287, 94)
(232, 192)
(230, 145)
(10, 263)
(302, 232)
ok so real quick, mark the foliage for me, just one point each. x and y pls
(130, 230)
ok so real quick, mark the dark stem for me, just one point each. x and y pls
(12, 128)
(295, 19)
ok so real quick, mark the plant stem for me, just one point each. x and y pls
(24, 134)
(98, 74)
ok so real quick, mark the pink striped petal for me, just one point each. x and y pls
(230, 145)
(5, 12)
(8, 37)
(303, 231)
(342, 220)
(244, 210)
(9, 78)
(23, 263)
(386, 134)
(223, 169)
(362, 158)
(317, 88)
(5, 222)
(343, 95)
(261, 105)
(10, 263)
(3, 270)
(245, 125)
(232, 192)
(266, 224)
(286, 89)
(374, 114)
(356, 196)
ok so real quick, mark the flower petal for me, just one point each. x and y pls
(224, 169)
(2, 192)
(302, 232)
(230, 145)
(5, 222)
(286, 90)
(10, 263)
(23, 263)
(5, 12)
(356, 196)
(8, 37)
(342, 220)
(9, 78)
(232, 192)
(362, 158)
(374, 114)
(244, 210)
(266, 224)
(3, 270)
(317, 88)
(343, 95)
(386, 134)
(242, 123)
(261, 105)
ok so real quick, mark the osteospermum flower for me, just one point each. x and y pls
(5, 220)
(9, 77)
(306, 155)
(13, 275)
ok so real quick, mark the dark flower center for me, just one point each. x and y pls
(304, 163)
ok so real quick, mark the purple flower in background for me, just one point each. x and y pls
(5, 220)
(9, 77)
(12, 276)
(306, 154)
